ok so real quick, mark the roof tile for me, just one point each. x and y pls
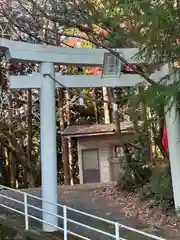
(95, 129)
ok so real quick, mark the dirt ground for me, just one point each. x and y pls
(107, 201)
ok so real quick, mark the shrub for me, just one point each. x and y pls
(127, 180)
(160, 188)
(134, 177)
(136, 171)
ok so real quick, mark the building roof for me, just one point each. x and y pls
(95, 129)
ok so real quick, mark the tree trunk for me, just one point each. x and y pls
(29, 130)
(12, 162)
(32, 180)
(64, 141)
(70, 150)
(96, 107)
(6, 169)
(106, 106)
(71, 163)
(116, 117)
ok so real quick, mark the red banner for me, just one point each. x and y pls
(165, 138)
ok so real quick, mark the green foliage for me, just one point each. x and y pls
(127, 180)
(155, 96)
(134, 176)
(160, 188)
(153, 25)
(136, 171)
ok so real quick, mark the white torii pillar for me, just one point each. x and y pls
(48, 146)
(172, 116)
(47, 56)
(173, 132)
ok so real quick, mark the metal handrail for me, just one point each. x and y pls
(66, 231)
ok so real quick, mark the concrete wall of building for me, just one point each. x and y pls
(104, 144)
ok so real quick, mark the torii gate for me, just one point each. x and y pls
(47, 56)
